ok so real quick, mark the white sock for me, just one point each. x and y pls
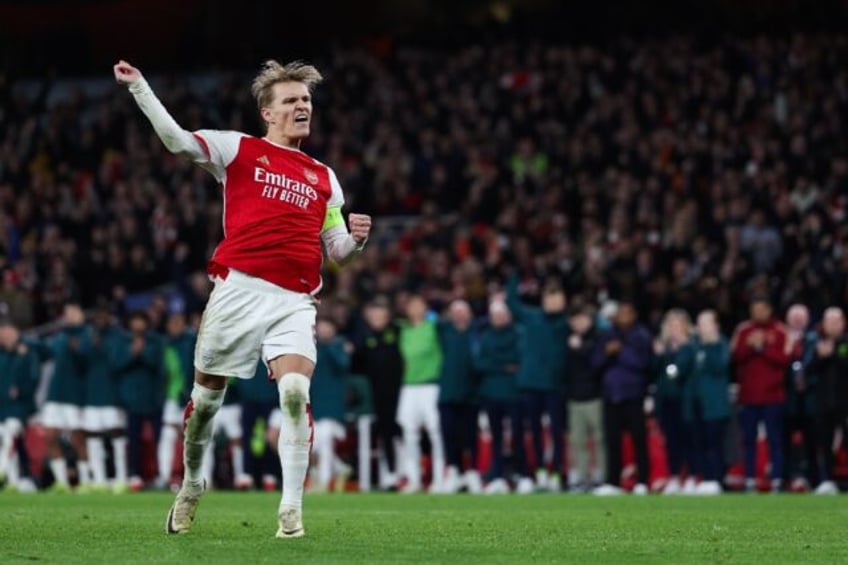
(238, 459)
(60, 471)
(295, 436)
(97, 459)
(13, 471)
(197, 424)
(165, 452)
(119, 452)
(84, 472)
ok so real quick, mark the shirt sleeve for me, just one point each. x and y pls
(219, 149)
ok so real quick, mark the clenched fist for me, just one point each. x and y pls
(360, 227)
(126, 73)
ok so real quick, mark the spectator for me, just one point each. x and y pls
(259, 398)
(178, 365)
(675, 333)
(585, 405)
(62, 410)
(20, 370)
(497, 360)
(761, 358)
(377, 355)
(458, 409)
(801, 464)
(103, 417)
(623, 356)
(541, 377)
(830, 365)
(419, 397)
(142, 389)
(705, 372)
(329, 385)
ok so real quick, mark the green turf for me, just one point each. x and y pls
(239, 528)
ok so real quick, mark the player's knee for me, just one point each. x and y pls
(294, 394)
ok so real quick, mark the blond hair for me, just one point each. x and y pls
(273, 72)
(679, 314)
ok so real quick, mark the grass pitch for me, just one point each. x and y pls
(239, 528)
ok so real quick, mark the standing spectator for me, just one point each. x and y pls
(20, 369)
(675, 332)
(830, 365)
(541, 378)
(801, 464)
(623, 356)
(377, 355)
(329, 387)
(62, 410)
(178, 365)
(585, 404)
(103, 416)
(228, 422)
(259, 399)
(142, 388)
(761, 359)
(419, 397)
(705, 372)
(458, 409)
(497, 360)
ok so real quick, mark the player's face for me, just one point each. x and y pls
(290, 111)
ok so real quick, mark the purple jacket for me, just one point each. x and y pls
(625, 375)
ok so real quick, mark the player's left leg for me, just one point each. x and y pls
(293, 373)
(555, 407)
(430, 396)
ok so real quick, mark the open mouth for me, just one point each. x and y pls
(301, 118)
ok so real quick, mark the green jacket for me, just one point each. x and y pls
(142, 380)
(457, 382)
(329, 382)
(706, 371)
(422, 354)
(178, 363)
(543, 340)
(20, 371)
(66, 349)
(101, 350)
(498, 350)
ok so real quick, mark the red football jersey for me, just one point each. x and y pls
(275, 203)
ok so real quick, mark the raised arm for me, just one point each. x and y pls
(176, 139)
(340, 244)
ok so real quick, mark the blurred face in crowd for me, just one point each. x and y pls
(176, 325)
(760, 312)
(73, 315)
(676, 327)
(6, 336)
(553, 300)
(377, 317)
(625, 316)
(138, 325)
(416, 309)
(707, 326)
(499, 315)
(460, 314)
(833, 323)
(580, 323)
(798, 318)
(102, 318)
(325, 330)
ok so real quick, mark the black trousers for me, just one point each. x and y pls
(620, 417)
(386, 398)
(135, 429)
(266, 462)
(459, 432)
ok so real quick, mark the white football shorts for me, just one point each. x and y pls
(247, 317)
(99, 419)
(61, 416)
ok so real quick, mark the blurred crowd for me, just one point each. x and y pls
(640, 177)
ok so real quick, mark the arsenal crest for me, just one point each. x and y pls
(311, 176)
